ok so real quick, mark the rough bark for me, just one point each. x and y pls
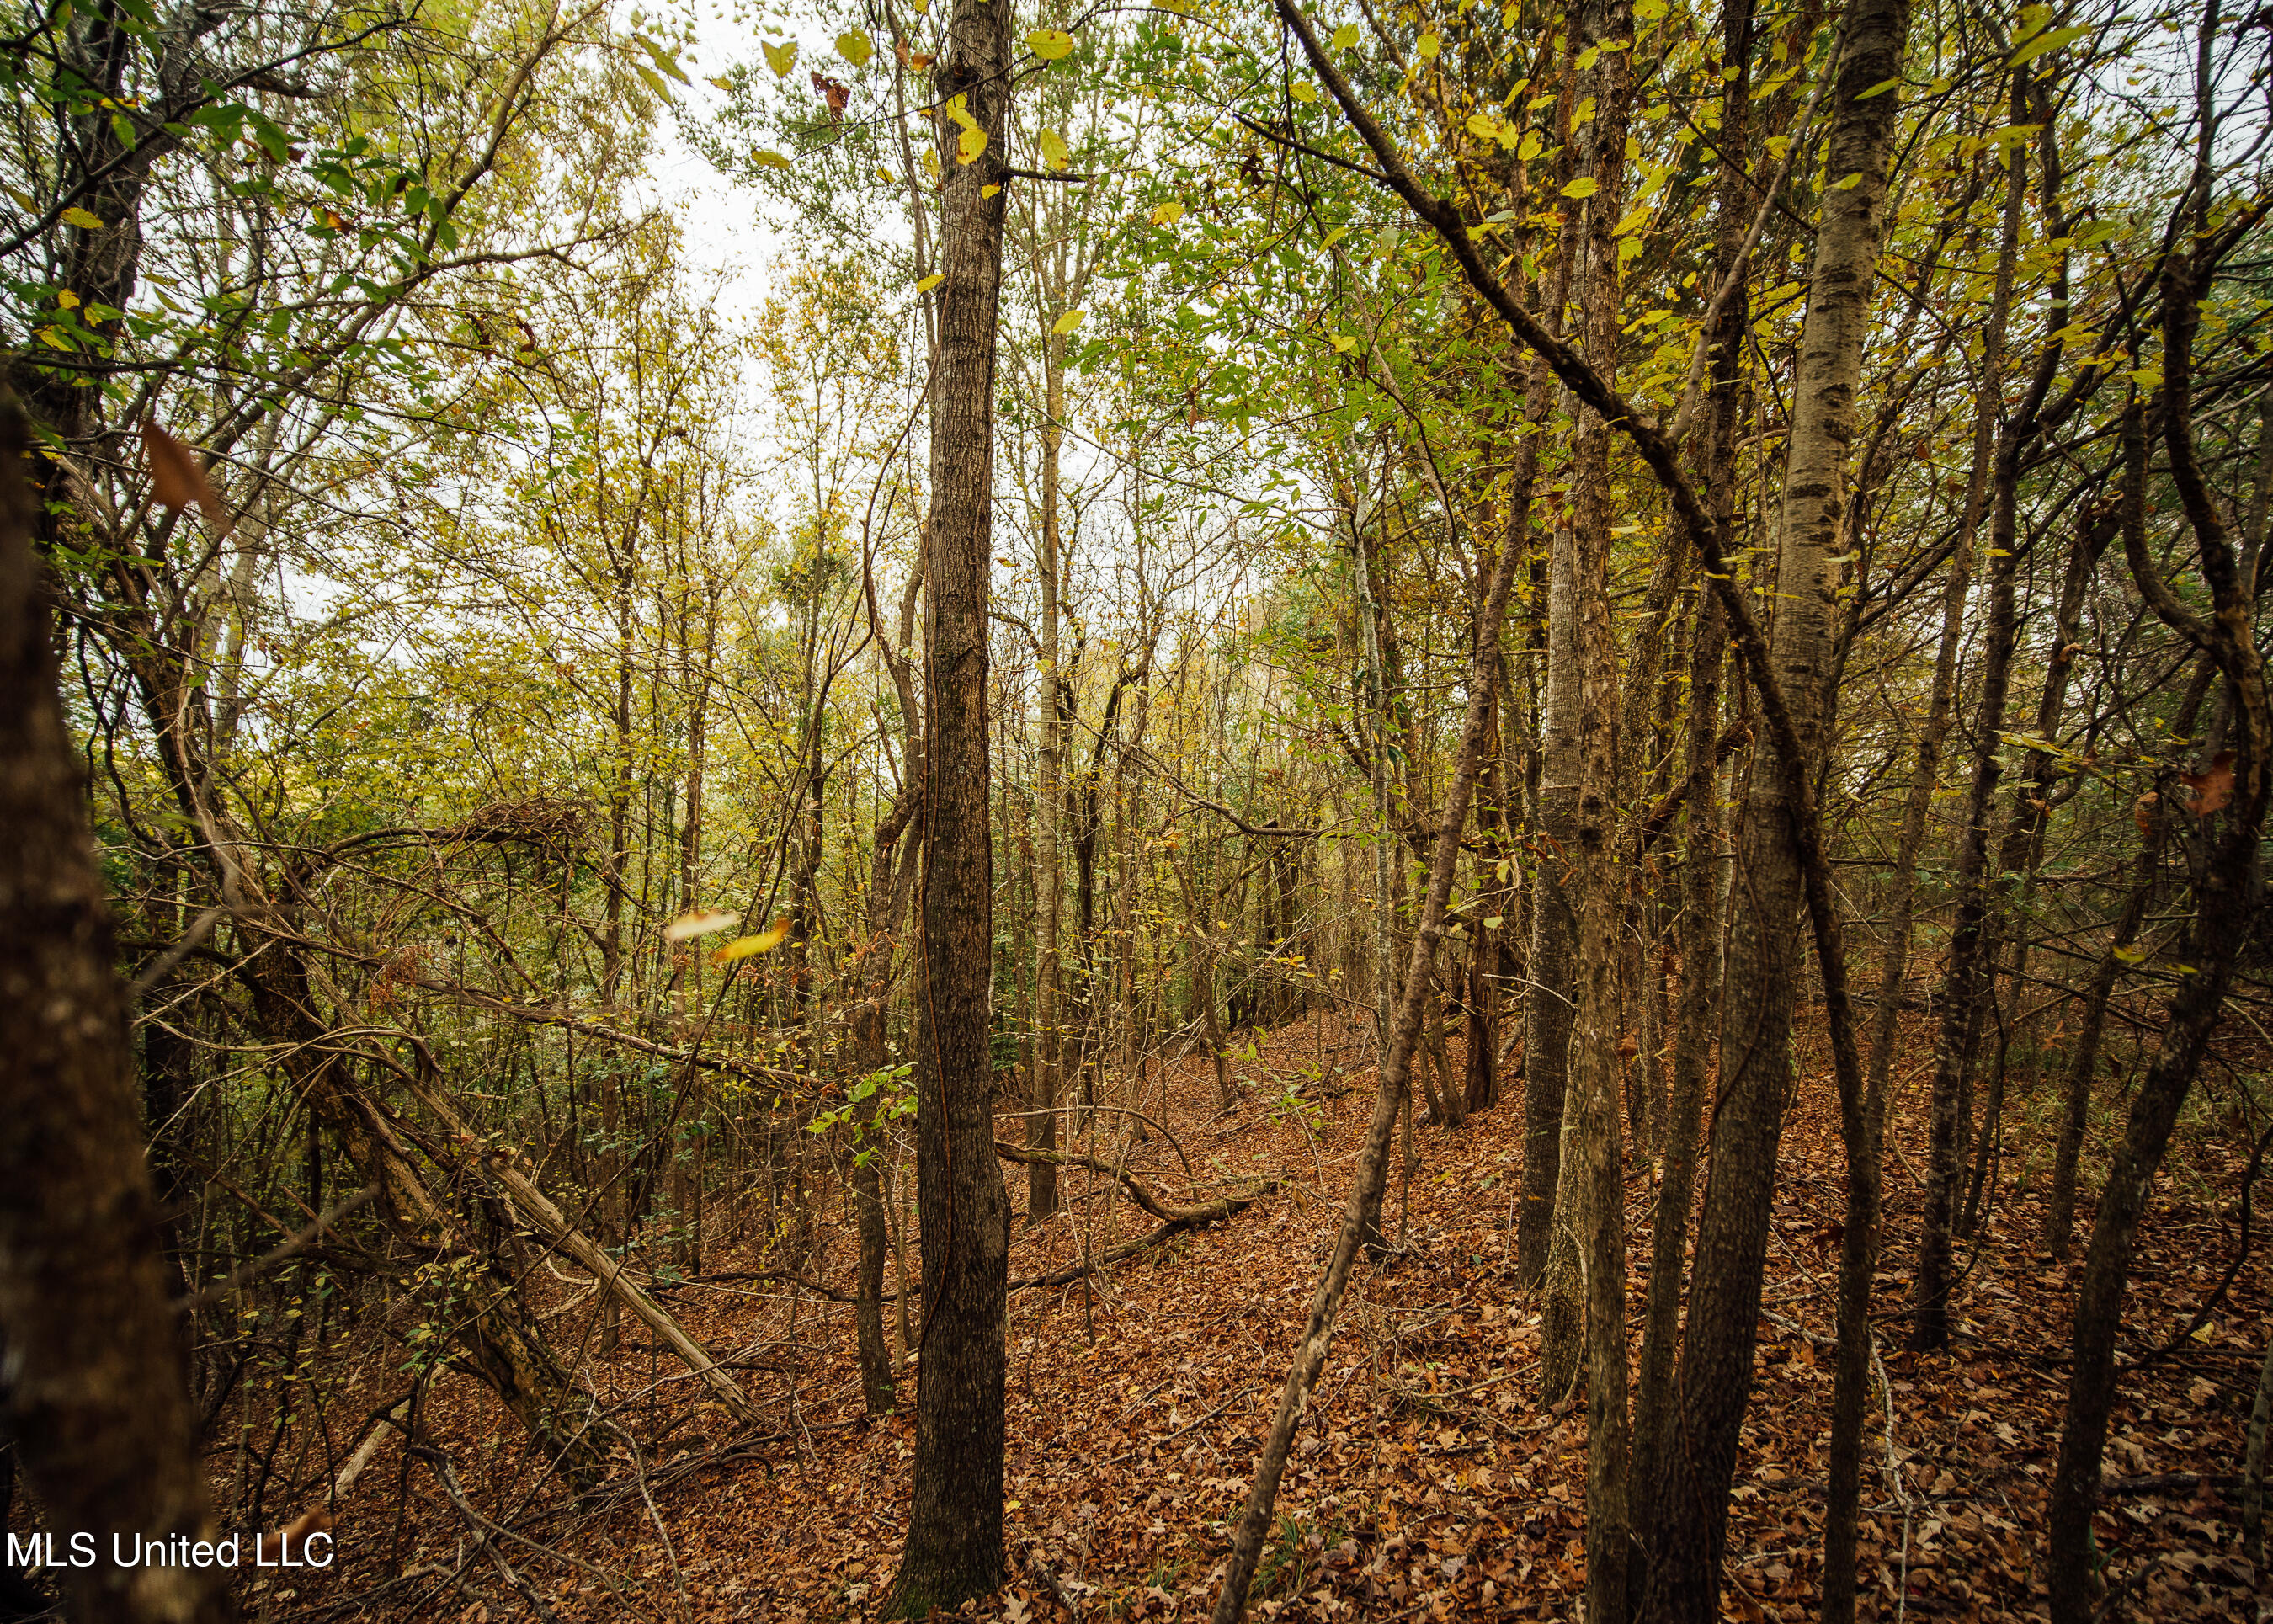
(96, 1400)
(1700, 913)
(954, 1524)
(1689, 1520)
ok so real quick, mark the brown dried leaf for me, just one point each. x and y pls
(177, 479)
(2142, 813)
(2213, 788)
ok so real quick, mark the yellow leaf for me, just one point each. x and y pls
(781, 58)
(1167, 213)
(1583, 187)
(1055, 152)
(745, 947)
(1344, 343)
(1483, 126)
(1632, 221)
(929, 283)
(1068, 322)
(1531, 147)
(923, 8)
(969, 144)
(1302, 90)
(885, 174)
(49, 336)
(1428, 45)
(67, 299)
(701, 923)
(84, 221)
(1050, 44)
(1345, 37)
(954, 109)
(989, 190)
(722, 82)
(766, 158)
(855, 48)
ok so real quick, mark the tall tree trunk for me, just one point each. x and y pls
(1973, 945)
(955, 1522)
(1596, 1139)
(97, 1402)
(1049, 818)
(2228, 882)
(1547, 1004)
(1700, 855)
(1689, 1523)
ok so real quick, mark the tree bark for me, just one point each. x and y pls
(1689, 1519)
(955, 1524)
(97, 1400)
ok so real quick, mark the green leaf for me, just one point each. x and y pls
(1050, 44)
(1881, 89)
(83, 220)
(765, 158)
(781, 58)
(2046, 43)
(1428, 45)
(1582, 187)
(855, 47)
(654, 80)
(1302, 90)
(1345, 37)
(665, 60)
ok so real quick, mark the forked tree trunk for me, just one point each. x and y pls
(955, 1521)
(1689, 1520)
(2228, 889)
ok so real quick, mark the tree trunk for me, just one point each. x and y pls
(1700, 855)
(2083, 1050)
(955, 1522)
(2228, 887)
(1689, 1523)
(97, 1402)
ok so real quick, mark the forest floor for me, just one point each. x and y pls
(1429, 1481)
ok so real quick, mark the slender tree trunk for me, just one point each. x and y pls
(1548, 1003)
(955, 1524)
(2083, 1049)
(1688, 1525)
